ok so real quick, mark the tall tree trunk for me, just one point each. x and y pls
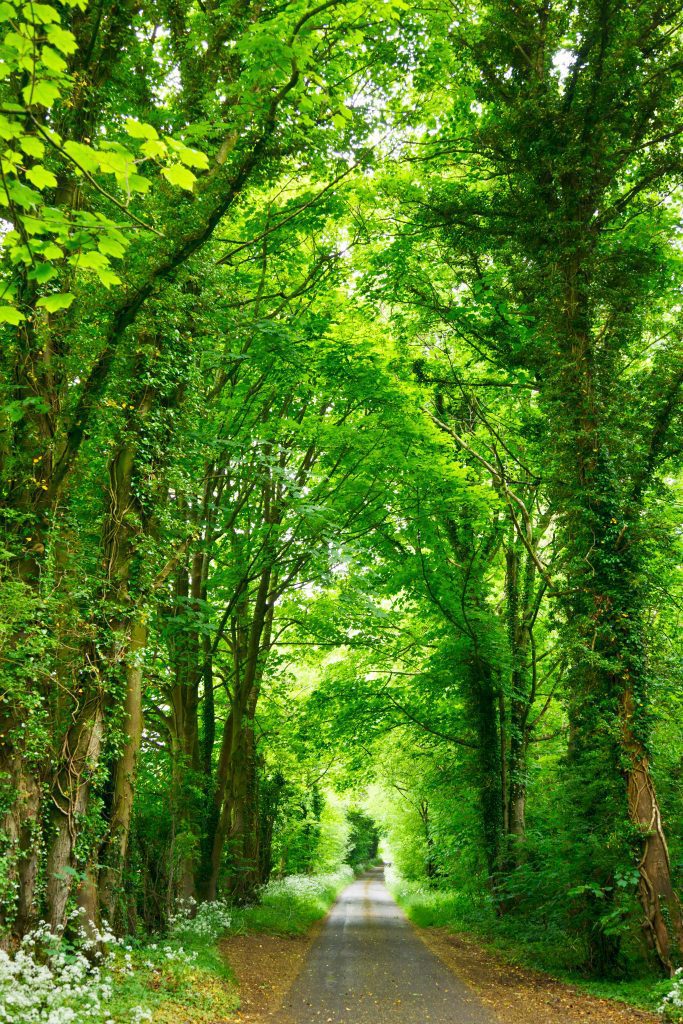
(663, 919)
(100, 888)
(21, 827)
(115, 848)
(519, 595)
(184, 723)
(430, 863)
(270, 796)
(232, 787)
(606, 611)
(80, 759)
(251, 837)
(483, 700)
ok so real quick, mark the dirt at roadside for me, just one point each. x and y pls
(521, 996)
(265, 967)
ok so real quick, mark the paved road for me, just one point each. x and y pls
(369, 967)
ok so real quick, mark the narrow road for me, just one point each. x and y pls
(369, 967)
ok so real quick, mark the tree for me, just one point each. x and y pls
(544, 199)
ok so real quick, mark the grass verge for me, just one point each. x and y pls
(292, 905)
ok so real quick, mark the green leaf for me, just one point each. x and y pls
(51, 59)
(41, 177)
(40, 12)
(139, 130)
(52, 251)
(108, 277)
(23, 195)
(83, 155)
(10, 315)
(42, 273)
(53, 303)
(33, 225)
(134, 182)
(90, 260)
(7, 12)
(110, 247)
(8, 130)
(193, 158)
(21, 44)
(32, 146)
(180, 176)
(9, 162)
(154, 148)
(118, 161)
(62, 39)
(42, 92)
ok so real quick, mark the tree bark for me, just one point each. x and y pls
(663, 919)
(21, 826)
(519, 595)
(70, 795)
(230, 800)
(113, 855)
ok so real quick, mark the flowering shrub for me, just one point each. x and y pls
(292, 904)
(308, 887)
(207, 921)
(672, 1003)
(53, 981)
(50, 981)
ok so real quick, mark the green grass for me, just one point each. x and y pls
(195, 986)
(646, 993)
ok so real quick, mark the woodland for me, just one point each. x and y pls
(341, 364)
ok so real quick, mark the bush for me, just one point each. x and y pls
(205, 921)
(52, 981)
(290, 905)
(671, 1005)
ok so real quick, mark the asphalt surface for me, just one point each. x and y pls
(368, 966)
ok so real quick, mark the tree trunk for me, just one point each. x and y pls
(231, 795)
(269, 802)
(113, 855)
(484, 705)
(70, 795)
(519, 597)
(251, 853)
(184, 724)
(21, 827)
(661, 907)
(601, 518)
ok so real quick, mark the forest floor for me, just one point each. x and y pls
(350, 968)
(266, 967)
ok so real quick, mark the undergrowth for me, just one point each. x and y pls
(291, 905)
(198, 987)
(548, 949)
(182, 976)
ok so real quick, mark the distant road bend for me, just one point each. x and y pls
(369, 967)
